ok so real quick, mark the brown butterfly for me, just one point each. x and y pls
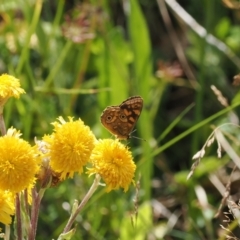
(120, 120)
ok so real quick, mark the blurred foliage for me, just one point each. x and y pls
(75, 58)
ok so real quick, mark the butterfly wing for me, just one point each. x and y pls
(132, 108)
(111, 121)
(120, 120)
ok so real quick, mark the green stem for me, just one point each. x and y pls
(31, 30)
(58, 64)
(57, 19)
(84, 63)
(194, 128)
(83, 203)
(81, 73)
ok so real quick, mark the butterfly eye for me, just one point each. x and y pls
(123, 117)
(109, 118)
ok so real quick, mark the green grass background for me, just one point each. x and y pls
(63, 78)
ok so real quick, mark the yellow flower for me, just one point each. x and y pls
(9, 87)
(18, 164)
(6, 207)
(114, 163)
(70, 146)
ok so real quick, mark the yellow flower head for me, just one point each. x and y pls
(6, 207)
(9, 87)
(114, 163)
(70, 146)
(18, 163)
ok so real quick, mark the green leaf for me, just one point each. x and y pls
(68, 235)
(141, 46)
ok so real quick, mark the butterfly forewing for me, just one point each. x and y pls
(132, 109)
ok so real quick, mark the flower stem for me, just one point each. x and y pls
(7, 232)
(2, 125)
(18, 216)
(36, 200)
(82, 204)
(25, 195)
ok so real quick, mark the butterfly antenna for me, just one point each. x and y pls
(138, 138)
(133, 131)
(130, 136)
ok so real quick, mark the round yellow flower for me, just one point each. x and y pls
(6, 207)
(9, 87)
(18, 164)
(70, 146)
(114, 163)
